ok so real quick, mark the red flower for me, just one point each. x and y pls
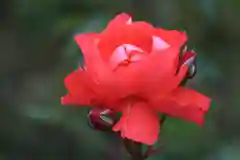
(135, 69)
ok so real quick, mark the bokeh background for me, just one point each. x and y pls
(38, 51)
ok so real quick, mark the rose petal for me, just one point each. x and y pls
(152, 73)
(137, 34)
(139, 123)
(130, 48)
(120, 19)
(172, 37)
(80, 88)
(123, 53)
(93, 61)
(71, 100)
(118, 56)
(159, 44)
(183, 103)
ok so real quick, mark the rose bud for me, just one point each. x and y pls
(101, 119)
(189, 58)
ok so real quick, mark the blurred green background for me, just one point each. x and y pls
(38, 51)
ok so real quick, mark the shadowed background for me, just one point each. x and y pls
(38, 51)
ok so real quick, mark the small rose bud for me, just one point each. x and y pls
(189, 58)
(101, 119)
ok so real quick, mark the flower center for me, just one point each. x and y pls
(125, 54)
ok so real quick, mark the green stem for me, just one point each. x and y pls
(162, 120)
(135, 148)
(137, 151)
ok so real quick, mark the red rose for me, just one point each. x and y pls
(135, 69)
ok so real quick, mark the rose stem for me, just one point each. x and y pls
(162, 120)
(135, 148)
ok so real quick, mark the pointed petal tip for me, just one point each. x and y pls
(121, 18)
(84, 38)
(64, 100)
(124, 16)
(206, 104)
(129, 21)
(159, 44)
(68, 100)
(77, 37)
